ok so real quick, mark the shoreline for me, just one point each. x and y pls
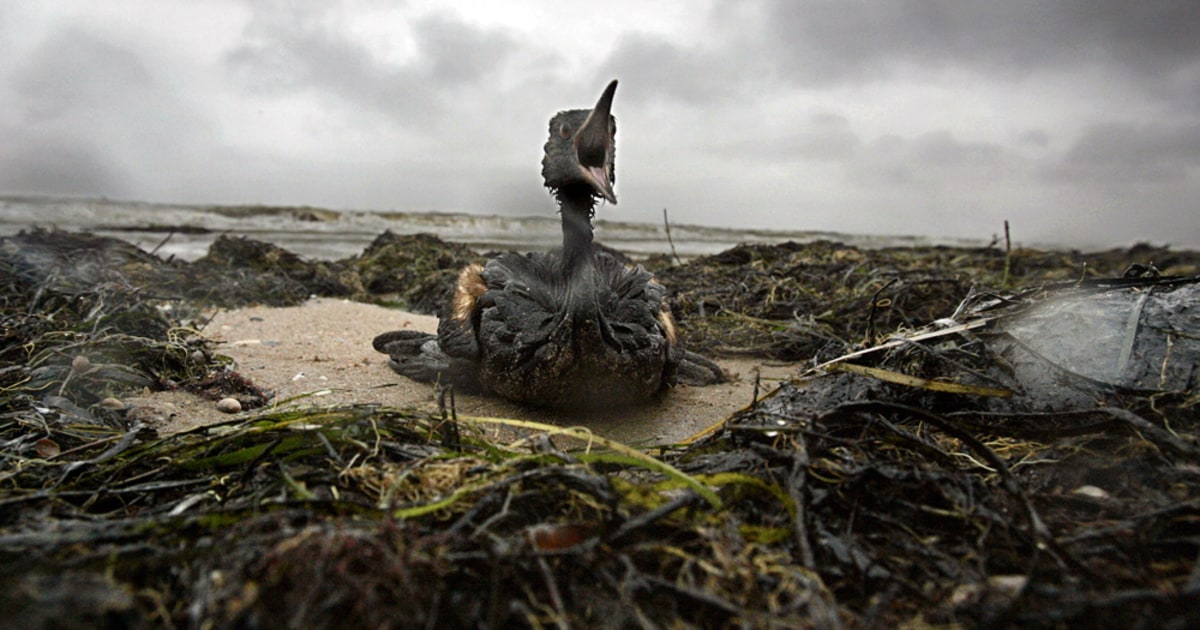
(186, 230)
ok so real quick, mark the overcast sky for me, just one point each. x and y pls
(1077, 121)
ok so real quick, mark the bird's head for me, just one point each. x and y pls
(581, 151)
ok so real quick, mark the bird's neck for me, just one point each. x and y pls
(579, 263)
(576, 210)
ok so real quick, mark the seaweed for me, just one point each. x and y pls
(937, 464)
(818, 300)
(357, 515)
(417, 271)
(253, 272)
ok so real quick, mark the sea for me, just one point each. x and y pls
(185, 231)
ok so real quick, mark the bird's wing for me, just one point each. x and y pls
(633, 304)
(524, 290)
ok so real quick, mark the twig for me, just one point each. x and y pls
(163, 242)
(1007, 255)
(796, 482)
(658, 513)
(757, 383)
(667, 225)
(555, 597)
(451, 438)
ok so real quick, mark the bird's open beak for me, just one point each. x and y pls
(593, 145)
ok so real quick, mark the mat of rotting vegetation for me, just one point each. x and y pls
(990, 439)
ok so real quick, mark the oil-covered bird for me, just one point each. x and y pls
(570, 328)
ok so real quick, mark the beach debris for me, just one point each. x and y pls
(842, 498)
(1139, 334)
(229, 405)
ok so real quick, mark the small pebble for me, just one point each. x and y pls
(229, 405)
(1090, 492)
(80, 364)
(112, 403)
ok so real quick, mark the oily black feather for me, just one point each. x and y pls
(547, 338)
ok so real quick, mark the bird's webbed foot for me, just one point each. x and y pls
(689, 368)
(418, 356)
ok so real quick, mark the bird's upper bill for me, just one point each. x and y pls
(581, 150)
(593, 145)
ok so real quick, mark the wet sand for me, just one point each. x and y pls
(320, 353)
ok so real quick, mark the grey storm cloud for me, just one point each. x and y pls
(444, 100)
(63, 96)
(691, 74)
(821, 114)
(855, 40)
(73, 70)
(59, 165)
(92, 116)
(1123, 153)
(934, 158)
(297, 52)
(824, 137)
(828, 137)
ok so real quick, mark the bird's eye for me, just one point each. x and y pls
(564, 131)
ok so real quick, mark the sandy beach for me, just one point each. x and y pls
(320, 353)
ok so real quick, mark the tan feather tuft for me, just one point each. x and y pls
(467, 290)
(668, 324)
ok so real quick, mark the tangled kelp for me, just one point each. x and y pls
(942, 476)
(366, 516)
(417, 270)
(910, 482)
(797, 301)
(80, 326)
